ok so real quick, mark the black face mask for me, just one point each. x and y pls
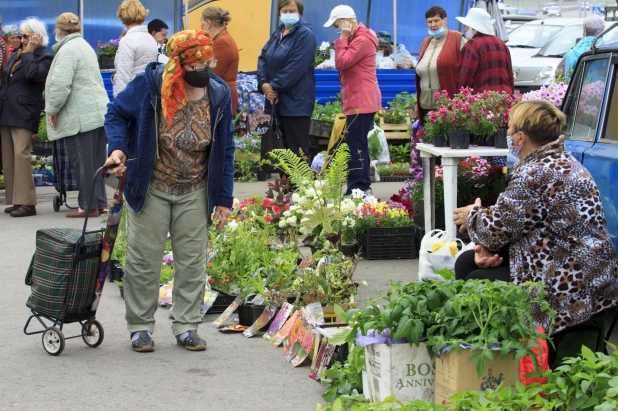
(198, 79)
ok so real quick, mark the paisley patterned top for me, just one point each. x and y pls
(182, 165)
(551, 217)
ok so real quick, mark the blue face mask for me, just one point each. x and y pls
(290, 19)
(437, 33)
(514, 151)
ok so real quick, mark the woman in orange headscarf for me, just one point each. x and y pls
(171, 132)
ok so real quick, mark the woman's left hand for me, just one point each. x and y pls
(52, 121)
(33, 44)
(222, 213)
(460, 215)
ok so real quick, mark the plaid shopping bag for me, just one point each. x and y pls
(61, 282)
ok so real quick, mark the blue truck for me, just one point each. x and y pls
(591, 106)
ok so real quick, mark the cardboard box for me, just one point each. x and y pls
(456, 373)
(403, 370)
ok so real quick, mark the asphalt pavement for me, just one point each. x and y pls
(235, 373)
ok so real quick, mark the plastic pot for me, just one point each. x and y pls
(439, 141)
(500, 139)
(459, 139)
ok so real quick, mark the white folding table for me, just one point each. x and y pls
(450, 161)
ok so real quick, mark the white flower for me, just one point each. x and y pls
(291, 221)
(357, 193)
(282, 223)
(305, 230)
(296, 198)
(330, 205)
(324, 46)
(232, 225)
(345, 223)
(287, 213)
(311, 193)
(309, 212)
(348, 206)
(295, 208)
(318, 192)
(353, 223)
(319, 184)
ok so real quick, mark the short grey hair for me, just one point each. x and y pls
(11, 30)
(594, 25)
(37, 27)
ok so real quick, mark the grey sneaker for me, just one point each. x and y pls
(193, 342)
(143, 343)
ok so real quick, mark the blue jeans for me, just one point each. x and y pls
(358, 127)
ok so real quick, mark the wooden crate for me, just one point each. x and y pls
(396, 131)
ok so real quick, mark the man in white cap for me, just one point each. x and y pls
(485, 62)
(355, 58)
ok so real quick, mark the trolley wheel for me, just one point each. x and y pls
(95, 337)
(53, 341)
(57, 203)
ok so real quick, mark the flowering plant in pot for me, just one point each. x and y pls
(477, 178)
(106, 52)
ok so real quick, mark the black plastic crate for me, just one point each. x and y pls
(388, 243)
(221, 303)
(321, 128)
(394, 179)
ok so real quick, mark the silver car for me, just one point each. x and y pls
(554, 11)
(540, 68)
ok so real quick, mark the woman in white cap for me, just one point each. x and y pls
(485, 62)
(355, 58)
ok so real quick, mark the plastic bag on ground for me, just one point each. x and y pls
(405, 60)
(439, 251)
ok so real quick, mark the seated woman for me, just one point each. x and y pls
(547, 227)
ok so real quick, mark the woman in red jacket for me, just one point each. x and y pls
(438, 62)
(214, 20)
(355, 58)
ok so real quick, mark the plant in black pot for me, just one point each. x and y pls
(106, 52)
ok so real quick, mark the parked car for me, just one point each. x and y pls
(592, 127)
(528, 40)
(539, 70)
(526, 12)
(506, 9)
(585, 5)
(514, 21)
(554, 11)
(547, 6)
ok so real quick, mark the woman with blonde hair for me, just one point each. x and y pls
(137, 48)
(75, 104)
(21, 103)
(547, 227)
(215, 20)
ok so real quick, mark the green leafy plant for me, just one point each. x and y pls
(399, 169)
(247, 165)
(41, 135)
(484, 315)
(399, 153)
(166, 273)
(345, 379)
(375, 146)
(120, 246)
(328, 111)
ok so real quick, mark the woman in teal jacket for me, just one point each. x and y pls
(593, 26)
(75, 104)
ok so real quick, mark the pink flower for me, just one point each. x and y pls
(444, 93)
(436, 94)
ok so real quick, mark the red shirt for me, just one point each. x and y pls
(485, 65)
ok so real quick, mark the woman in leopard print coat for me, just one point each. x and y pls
(548, 224)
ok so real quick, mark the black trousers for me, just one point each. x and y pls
(358, 127)
(466, 268)
(296, 133)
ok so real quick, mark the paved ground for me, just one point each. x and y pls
(235, 373)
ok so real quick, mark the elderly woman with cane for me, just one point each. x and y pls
(171, 131)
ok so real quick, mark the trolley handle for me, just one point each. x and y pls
(101, 172)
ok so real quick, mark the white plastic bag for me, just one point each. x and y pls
(439, 251)
(385, 155)
(404, 58)
(387, 63)
(328, 64)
